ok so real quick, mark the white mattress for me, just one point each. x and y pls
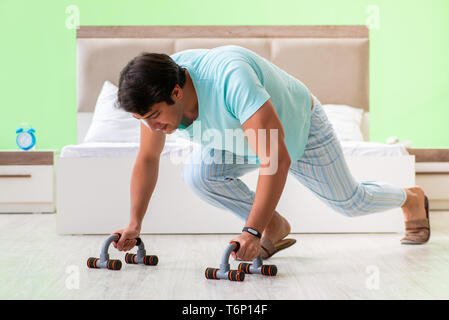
(180, 148)
(100, 150)
(364, 148)
(423, 167)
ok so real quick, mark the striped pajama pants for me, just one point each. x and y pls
(322, 169)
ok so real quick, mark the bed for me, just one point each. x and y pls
(93, 177)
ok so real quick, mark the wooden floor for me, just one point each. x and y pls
(38, 264)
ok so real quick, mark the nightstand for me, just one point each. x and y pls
(432, 174)
(26, 181)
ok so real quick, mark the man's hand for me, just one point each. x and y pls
(127, 240)
(249, 247)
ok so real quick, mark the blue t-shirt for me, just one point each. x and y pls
(231, 84)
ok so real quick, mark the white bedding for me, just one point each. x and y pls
(115, 133)
(180, 148)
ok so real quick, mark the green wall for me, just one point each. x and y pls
(409, 57)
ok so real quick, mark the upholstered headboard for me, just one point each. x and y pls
(332, 61)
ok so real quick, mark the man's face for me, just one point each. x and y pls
(164, 117)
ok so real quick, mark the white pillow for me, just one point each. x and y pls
(346, 121)
(110, 123)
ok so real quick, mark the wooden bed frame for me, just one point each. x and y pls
(93, 193)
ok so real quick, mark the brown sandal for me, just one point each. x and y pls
(268, 248)
(418, 231)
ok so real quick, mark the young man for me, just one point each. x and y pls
(284, 130)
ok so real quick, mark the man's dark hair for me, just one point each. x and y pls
(148, 79)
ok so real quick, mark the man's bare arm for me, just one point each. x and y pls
(143, 182)
(145, 173)
(275, 163)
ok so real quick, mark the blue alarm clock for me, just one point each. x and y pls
(25, 137)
